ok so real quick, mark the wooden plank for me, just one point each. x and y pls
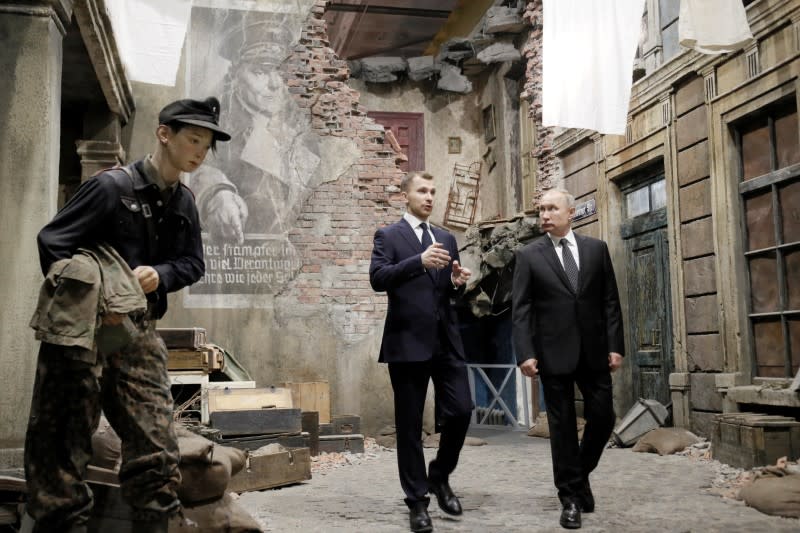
(231, 385)
(257, 421)
(244, 399)
(183, 337)
(273, 470)
(311, 396)
(207, 357)
(341, 443)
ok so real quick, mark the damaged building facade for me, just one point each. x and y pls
(698, 219)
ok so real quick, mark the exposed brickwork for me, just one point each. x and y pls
(334, 232)
(547, 171)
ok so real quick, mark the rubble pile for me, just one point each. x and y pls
(488, 251)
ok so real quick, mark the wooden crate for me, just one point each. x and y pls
(257, 422)
(748, 440)
(341, 425)
(341, 443)
(273, 470)
(311, 396)
(183, 337)
(254, 442)
(240, 399)
(207, 358)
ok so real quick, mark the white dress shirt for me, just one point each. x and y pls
(573, 247)
(415, 224)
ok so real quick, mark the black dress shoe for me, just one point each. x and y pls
(419, 519)
(448, 502)
(570, 516)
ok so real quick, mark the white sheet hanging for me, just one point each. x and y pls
(713, 26)
(589, 46)
(150, 35)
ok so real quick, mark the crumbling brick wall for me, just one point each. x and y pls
(547, 168)
(335, 228)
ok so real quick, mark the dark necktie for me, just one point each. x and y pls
(426, 237)
(569, 264)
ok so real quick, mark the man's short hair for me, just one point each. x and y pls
(405, 183)
(565, 193)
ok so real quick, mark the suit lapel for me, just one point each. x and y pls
(549, 252)
(408, 233)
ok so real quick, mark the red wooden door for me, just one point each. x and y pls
(409, 130)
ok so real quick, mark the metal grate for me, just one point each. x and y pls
(753, 63)
(501, 415)
(711, 86)
(462, 200)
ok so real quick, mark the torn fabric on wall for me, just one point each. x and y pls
(713, 26)
(150, 35)
(588, 51)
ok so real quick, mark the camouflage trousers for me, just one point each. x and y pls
(132, 388)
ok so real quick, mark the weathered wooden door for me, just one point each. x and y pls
(409, 130)
(649, 309)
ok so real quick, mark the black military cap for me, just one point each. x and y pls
(203, 113)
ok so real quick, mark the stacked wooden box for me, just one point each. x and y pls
(188, 349)
(342, 434)
(747, 440)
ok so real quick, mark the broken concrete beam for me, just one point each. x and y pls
(499, 52)
(382, 69)
(452, 80)
(456, 50)
(422, 67)
(503, 20)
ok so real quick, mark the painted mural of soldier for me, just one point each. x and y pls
(257, 183)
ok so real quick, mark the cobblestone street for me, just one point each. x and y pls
(507, 486)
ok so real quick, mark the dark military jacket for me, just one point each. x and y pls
(126, 211)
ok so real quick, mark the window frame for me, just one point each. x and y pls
(771, 181)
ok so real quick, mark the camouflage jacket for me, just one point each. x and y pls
(78, 291)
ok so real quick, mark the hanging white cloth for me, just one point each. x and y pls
(713, 26)
(150, 35)
(588, 51)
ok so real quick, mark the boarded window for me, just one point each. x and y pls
(769, 147)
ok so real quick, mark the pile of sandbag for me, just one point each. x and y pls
(775, 490)
(206, 470)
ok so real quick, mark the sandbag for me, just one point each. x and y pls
(106, 446)
(206, 468)
(779, 496)
(541, 427)
(666, 441)
(215, 517)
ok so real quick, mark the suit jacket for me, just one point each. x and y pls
(419, 300)
(553, 323)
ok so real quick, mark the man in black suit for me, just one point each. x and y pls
(567, 327)
(418, 266)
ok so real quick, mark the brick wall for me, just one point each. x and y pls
(547, 170)
(334, 231)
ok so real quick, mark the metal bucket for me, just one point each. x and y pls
(644, 416)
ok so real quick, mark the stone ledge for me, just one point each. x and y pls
(755, 394)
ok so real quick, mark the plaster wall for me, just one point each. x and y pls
(29, 155)
(445, 115)
(324, 323)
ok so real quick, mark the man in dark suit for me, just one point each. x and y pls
(418, 266)
(567, 327)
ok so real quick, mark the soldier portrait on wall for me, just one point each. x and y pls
(250, 192)
(253, 186)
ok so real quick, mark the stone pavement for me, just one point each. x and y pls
(507, 486)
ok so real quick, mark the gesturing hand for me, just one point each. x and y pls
(460, 274)
(435, 257)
